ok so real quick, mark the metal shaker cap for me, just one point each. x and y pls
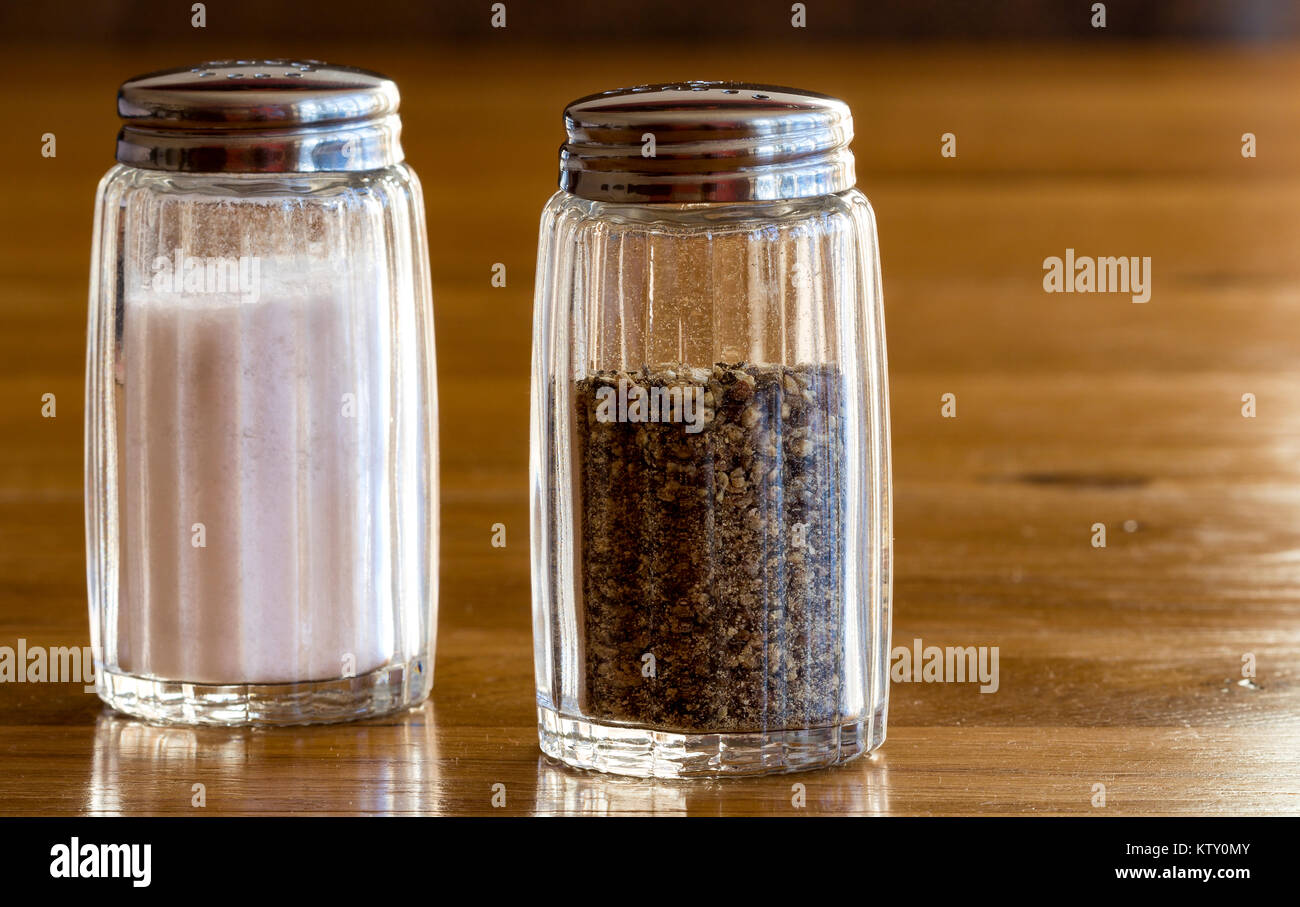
(706, 142)
(259, 116)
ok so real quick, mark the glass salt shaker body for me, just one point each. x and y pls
(711, 502)
(261, 436)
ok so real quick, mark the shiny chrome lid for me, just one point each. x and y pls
(259, 116)
(706, 142)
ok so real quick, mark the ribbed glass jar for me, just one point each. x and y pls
(261, 446)
(710, 476)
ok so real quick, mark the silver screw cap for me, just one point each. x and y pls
(706, 142)
(259, 116)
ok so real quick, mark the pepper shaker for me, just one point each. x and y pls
(261, 434)
(710, 438)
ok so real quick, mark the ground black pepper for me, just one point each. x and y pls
(711, 568)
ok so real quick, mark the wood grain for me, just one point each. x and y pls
(1118, 666)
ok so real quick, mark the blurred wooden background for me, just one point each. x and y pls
(573, 24)
(1118, 666)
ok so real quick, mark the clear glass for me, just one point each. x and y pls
(710, 484)
(261, 446)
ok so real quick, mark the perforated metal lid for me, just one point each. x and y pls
(259, 116)
(706, 142)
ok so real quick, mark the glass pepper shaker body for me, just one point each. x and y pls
(261, 448)
(710, 438)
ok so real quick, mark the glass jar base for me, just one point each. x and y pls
(645, 753)
(388, 689)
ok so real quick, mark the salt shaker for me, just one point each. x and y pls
(261, 430)
(710, 438)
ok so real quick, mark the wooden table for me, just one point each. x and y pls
(1120, 666)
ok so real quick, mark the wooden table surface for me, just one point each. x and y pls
(1119, 666)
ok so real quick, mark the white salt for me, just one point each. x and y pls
(252, 486)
